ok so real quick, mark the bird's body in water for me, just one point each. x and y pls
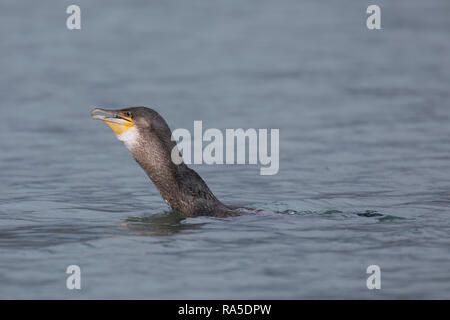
(148, 138)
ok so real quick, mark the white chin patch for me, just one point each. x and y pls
(129, 137)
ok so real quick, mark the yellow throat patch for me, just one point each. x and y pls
(119, 128)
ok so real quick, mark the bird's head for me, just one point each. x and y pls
(120, 121)
(138, 126)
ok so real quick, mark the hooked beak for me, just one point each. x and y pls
(117, 120)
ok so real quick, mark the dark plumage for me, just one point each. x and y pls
(181, 187)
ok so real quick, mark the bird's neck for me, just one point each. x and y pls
(180, 187)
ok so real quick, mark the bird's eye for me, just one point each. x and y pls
(128, 114)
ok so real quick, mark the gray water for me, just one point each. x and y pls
(364, 149)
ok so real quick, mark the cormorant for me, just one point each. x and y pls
(148, 138)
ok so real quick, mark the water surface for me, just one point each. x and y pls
(364, 152)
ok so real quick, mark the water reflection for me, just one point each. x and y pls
(163, 224)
